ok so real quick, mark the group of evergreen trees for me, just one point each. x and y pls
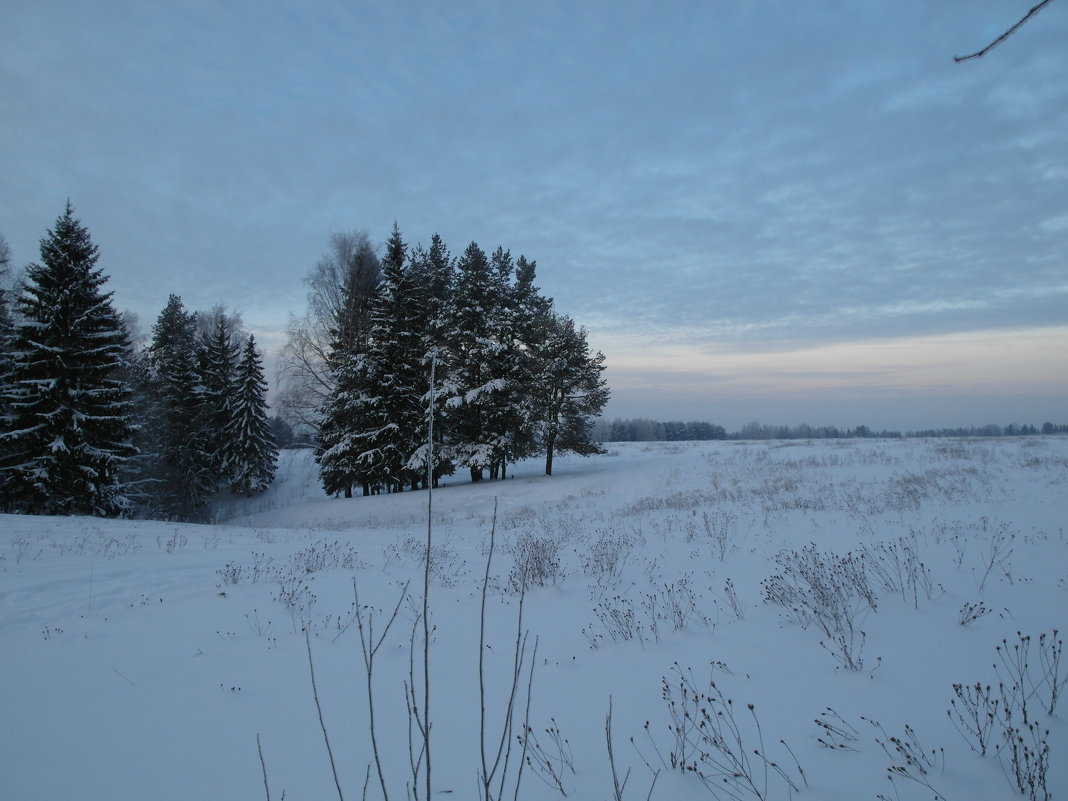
(203, 413)
(87, 426)
(512, 378)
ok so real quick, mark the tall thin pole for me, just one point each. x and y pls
(426, 570)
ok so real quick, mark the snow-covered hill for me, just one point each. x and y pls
(141, 660)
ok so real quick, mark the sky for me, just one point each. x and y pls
(767, 210)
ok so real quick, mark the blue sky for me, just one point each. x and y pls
(791, 212)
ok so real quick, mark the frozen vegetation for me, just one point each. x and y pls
(837, 620)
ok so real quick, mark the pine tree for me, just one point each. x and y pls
(570, 390)
(251, 450)
(69, 431)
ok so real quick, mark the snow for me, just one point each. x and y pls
(132, 668)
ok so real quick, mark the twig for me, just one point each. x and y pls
(617, 786)
(485, 774)
(526, 723)
(263, 765)
(319, 709)
(369, 647)
(121, 676)
(488, 773)
(1004, 36)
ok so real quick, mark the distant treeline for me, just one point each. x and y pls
(645, 430)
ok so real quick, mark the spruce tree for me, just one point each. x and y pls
(218, 375)
(433, 275)
(472, 325)
(251, 449)
(7, 335)
(339, 468)
(397, 369)
(69, 431)
(181, 474)
(343, 459)
(522, 338)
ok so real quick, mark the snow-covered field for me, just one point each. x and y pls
(141, 660)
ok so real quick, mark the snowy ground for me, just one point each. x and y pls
(141, 660)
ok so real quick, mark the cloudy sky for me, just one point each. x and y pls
(760, 209)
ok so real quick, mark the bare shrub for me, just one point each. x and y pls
(447, 568)
(537, 562)
(606, 558)
(971, 612)
(26, 548)
(909, 759)
(552, 760)
(996, 557)
(829, 590)
(176, 542)
(617, 621)
(721, 528)
(734, 603)
(836, 733)
(719, 745)
(323, 555)
(978, 710)
(675, 604)
(896, 565)
(973, 711)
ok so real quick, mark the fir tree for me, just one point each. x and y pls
(68, 432)
(251, 449)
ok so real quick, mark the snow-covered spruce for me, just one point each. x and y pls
(67, 429)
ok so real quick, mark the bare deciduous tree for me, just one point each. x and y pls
(304, 371)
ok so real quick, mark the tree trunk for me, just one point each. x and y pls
(348, 490)
(476, 473)
(549, 444)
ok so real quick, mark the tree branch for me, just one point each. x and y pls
(1004, 36)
